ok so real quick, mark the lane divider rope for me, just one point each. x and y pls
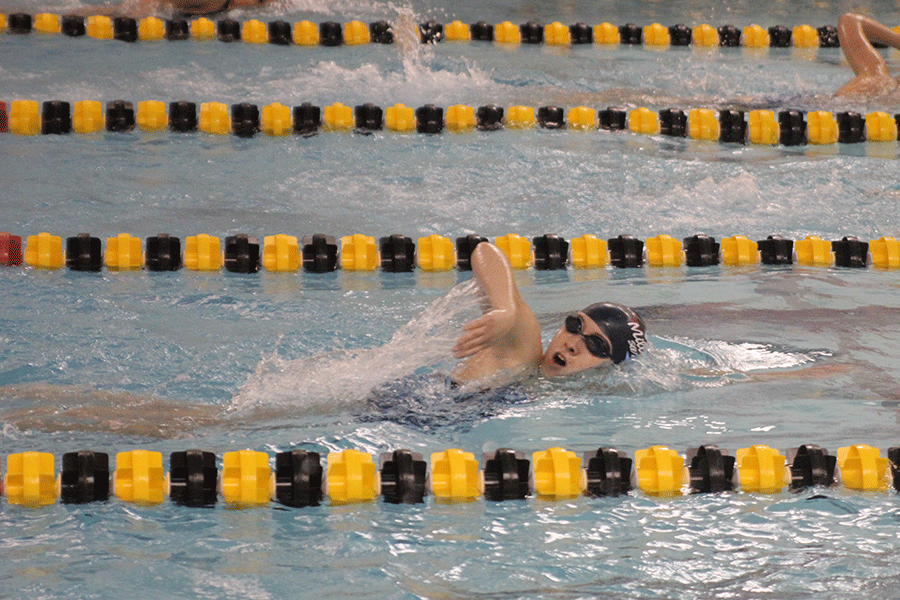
(758, 127)
(397, 253)
(246, 477)
(352, 33)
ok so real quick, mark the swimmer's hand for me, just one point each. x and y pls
(484, 332)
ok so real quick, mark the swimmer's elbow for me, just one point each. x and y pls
(494, 275)
(485, 254)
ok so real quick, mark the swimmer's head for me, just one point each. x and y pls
(601, 334)
(623, 326)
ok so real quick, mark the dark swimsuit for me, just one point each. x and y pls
(432, 400)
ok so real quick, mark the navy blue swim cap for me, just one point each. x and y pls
(622, 326)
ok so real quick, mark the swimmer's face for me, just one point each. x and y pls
(567, 352)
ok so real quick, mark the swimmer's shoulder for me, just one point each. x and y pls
(466, 381)
(200, 7)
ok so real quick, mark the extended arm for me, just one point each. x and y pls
(507, 337)
(495, 278)
(856, 34)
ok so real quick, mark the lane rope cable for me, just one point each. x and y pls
(247, 479)
(757, 127)
(353, 33)
(397, 253)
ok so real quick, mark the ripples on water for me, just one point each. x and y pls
(816, 544)
(701, 381)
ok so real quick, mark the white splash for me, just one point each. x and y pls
(676, 363)
(335, 381)
(746, 356)
(416, 77)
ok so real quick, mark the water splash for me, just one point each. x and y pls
(406, 37)
(337, 381)
(678, 363)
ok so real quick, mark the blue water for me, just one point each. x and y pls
(782, 356)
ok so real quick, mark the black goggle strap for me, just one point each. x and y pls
(594, 343)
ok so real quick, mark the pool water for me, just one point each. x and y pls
(115, 361)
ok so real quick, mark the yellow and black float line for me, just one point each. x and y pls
(758, 127)
(247, 479)
(397, 253)
(352, 33)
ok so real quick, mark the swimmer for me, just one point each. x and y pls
(856, 34)
(504, 344)
(186, 8)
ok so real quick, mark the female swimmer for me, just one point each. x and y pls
(504, 344)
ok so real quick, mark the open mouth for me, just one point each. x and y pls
(559, 359)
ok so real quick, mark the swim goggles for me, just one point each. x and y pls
(595, 344)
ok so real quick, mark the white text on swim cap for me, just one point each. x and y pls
(638, 341)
